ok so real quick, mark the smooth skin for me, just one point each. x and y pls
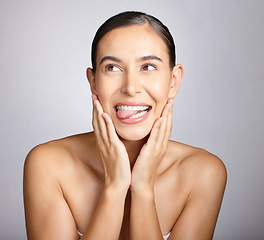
(125, 181)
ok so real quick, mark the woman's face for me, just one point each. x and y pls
(133, 79)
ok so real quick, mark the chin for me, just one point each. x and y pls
(135, 134)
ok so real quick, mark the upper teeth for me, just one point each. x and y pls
(131, 108)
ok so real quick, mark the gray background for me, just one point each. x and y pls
(44, 52)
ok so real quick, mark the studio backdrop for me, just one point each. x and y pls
(44, 94)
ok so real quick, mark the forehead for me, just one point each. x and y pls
(132, 42)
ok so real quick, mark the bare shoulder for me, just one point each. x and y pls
(42, 171)
(200, 167)
(46, 169)
(48, 156)
(202, 179)
(56, 154)
(207, 168)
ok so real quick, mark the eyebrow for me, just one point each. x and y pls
(145, 58)
(112, 58)
(150, 57)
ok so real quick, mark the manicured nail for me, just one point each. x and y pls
(170, 103)
(93, 97)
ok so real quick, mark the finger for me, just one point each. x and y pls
(100, 123)
(95, 118)
(163, 130)
(169, 127)
(95, 114)
(158, 131)
(111, 132)
(96, 127)
(154, 134)
(167, 108)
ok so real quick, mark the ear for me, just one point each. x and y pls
(176, 78)
(91, 78)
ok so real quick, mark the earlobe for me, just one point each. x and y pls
(176, 78)
(91, 79)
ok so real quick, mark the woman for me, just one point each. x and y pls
(125, 180)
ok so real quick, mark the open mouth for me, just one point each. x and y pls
(131, 114)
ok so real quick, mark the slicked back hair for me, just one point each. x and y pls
(134, 18)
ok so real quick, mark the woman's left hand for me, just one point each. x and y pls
(153, 152)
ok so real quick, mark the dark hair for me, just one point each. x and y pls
(131, 18)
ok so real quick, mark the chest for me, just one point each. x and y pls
(83, 194)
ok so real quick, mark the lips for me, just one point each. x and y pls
(132, 112)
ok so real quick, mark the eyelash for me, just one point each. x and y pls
(149, 64)
(145, 65)
(110, 65)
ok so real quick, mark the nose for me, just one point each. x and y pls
(131, 85)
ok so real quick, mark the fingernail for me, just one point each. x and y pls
(93, 97)
(171, 103)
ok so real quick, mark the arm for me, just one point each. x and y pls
(199, 216)
(144, 221)
(208, 180)
(47, 213)
(107, 220)
(198, 219)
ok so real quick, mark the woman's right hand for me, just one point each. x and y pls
(113, 153)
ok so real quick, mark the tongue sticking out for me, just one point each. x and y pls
(126, 113)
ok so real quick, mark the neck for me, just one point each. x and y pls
(133, 148)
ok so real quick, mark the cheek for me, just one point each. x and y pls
(160, 92)
(160, 85)
(104, 91)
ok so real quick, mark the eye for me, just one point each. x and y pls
(111, 68)
(149, 67)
